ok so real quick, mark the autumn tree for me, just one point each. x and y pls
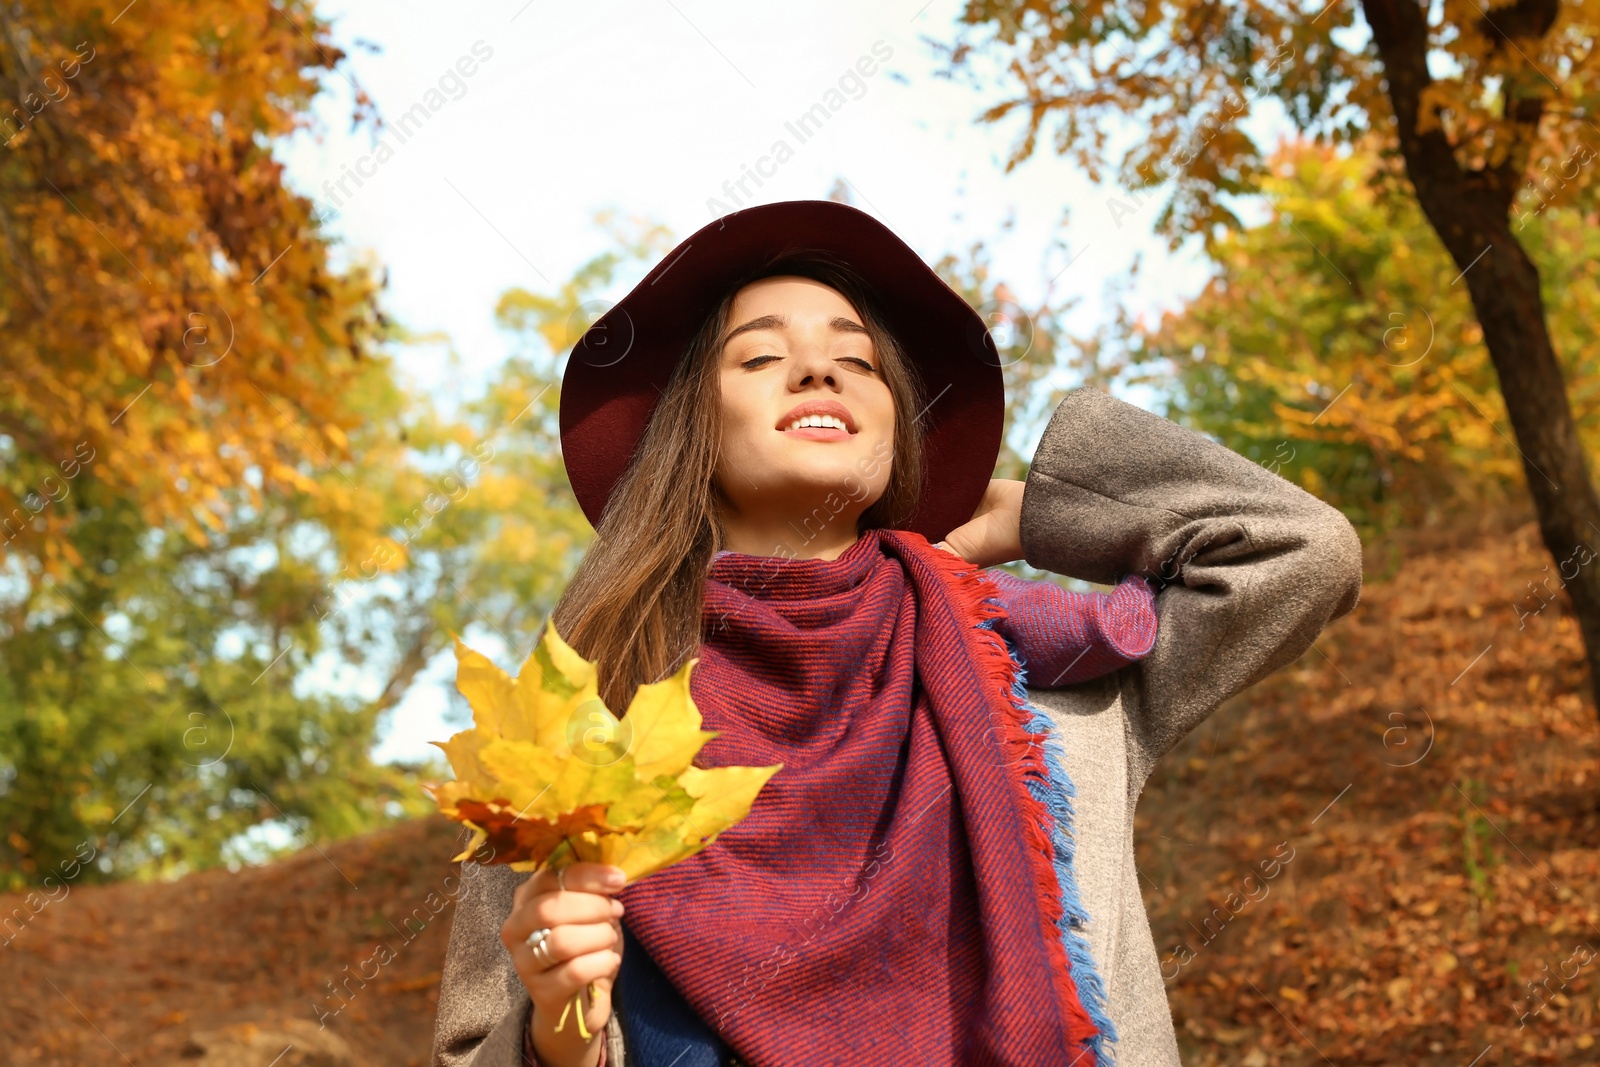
(1381, 401)
(167, 303)
(230, 537)
(186, 689)
(149, 712)
(1485, 113)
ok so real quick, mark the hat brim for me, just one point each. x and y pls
(621, 364)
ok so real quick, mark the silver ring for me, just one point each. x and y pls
(537, 938)
(543, 955)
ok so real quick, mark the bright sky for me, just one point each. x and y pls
(651, 108)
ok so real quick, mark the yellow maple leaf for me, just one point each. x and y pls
(547, 775)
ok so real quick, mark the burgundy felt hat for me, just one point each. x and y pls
(621, 364)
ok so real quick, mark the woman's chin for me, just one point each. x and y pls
(833, 483)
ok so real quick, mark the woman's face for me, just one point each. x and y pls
(797, 354)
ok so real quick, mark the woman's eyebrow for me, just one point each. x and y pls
(778, 322)
(765, 322)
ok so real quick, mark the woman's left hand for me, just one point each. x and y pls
(994, 533)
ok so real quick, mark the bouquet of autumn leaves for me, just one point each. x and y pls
(548, 776)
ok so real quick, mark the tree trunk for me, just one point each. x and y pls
(1511, 312)
(1471, 212)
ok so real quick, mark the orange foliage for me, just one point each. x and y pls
(166, 304)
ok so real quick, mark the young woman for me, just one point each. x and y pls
(784, 435)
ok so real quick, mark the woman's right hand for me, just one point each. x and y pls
(585, 943)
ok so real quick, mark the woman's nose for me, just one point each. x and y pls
(812, 367)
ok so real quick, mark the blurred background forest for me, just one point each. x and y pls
(237, 527)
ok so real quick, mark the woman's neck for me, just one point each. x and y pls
(814, 536)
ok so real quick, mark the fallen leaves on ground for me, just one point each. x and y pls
(1432, 765)
(146, 969)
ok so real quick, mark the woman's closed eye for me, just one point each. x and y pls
(760, 361)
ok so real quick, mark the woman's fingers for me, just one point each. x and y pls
(993, 534)
(583, 954)
(575, 974)
(578, 878)
(540, 902)
(557, 909)
(565, 943)
(553, 990)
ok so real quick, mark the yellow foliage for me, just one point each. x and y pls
(1335, 346)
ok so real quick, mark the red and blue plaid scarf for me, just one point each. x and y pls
(902, 891)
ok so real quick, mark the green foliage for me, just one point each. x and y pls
(148, 710)
(1478, 856)
(1335, 346)
(204, 683)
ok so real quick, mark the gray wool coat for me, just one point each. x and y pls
(1250, 568)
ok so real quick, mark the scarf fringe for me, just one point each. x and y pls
(1056, 796)
(1045, 799)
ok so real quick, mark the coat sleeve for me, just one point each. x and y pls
(1249, 567)
(483, 1007)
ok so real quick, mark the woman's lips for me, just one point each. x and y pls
(819, 433)
(834, 415)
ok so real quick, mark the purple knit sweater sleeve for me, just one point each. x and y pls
(1064, 637)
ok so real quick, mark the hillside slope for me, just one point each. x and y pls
(1431, 768)
(1363, 861)
(146, 968)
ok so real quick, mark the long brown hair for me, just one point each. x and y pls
(634, 602)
